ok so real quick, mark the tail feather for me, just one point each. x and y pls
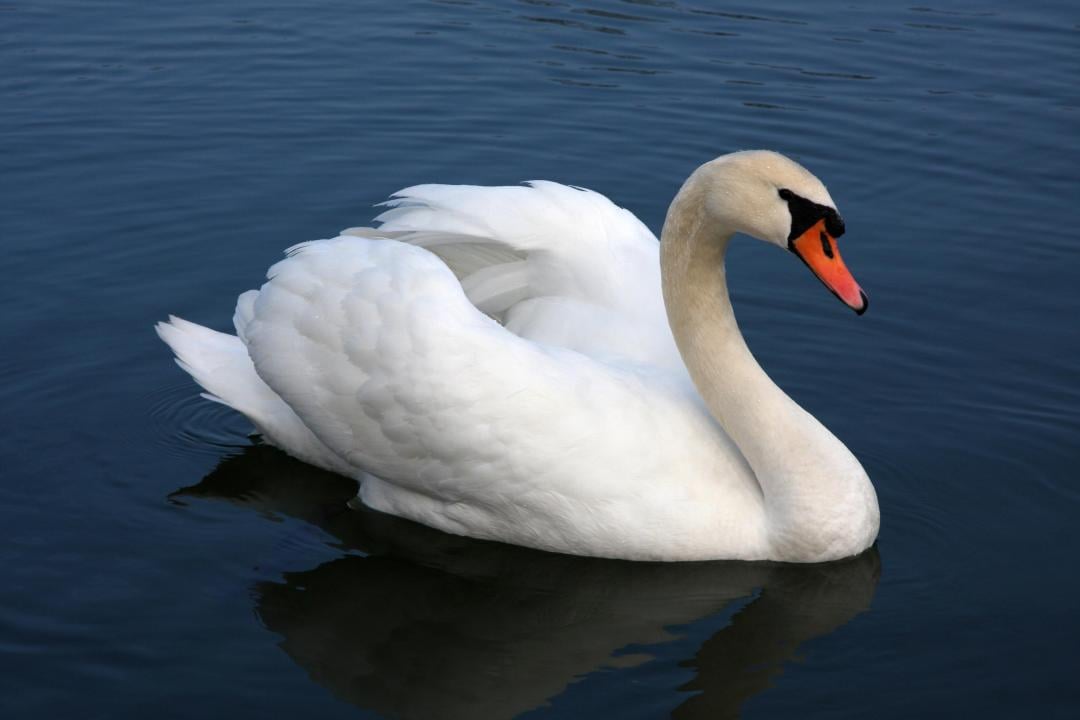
(220, 364)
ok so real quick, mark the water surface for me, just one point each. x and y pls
(156, 158)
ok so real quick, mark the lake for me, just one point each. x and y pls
(156, 158)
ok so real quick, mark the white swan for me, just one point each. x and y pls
(498, 362)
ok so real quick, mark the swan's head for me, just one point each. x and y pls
(768, 196)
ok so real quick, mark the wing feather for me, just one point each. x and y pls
(555, 264)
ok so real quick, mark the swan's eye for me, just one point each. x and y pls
(786, 194)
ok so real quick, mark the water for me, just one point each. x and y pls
(157, 157)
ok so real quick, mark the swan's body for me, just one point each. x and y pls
(498, 363)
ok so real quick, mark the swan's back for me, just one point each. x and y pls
(555, 264)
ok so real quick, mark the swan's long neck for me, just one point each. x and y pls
(816, 494)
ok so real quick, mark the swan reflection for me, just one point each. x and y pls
(425, 624)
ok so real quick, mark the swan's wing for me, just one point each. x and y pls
(556, 264)
(470, 428)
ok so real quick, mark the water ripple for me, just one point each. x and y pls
(186, 423)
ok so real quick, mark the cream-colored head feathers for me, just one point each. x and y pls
(741, 191)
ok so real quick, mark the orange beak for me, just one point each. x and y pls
(817, 248)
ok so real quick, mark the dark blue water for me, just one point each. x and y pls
(157, 157)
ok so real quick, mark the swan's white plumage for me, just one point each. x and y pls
(373, 343)
(494, 362)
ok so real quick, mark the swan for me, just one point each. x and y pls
(528, 364)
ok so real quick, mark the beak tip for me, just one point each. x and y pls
(865, 303)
